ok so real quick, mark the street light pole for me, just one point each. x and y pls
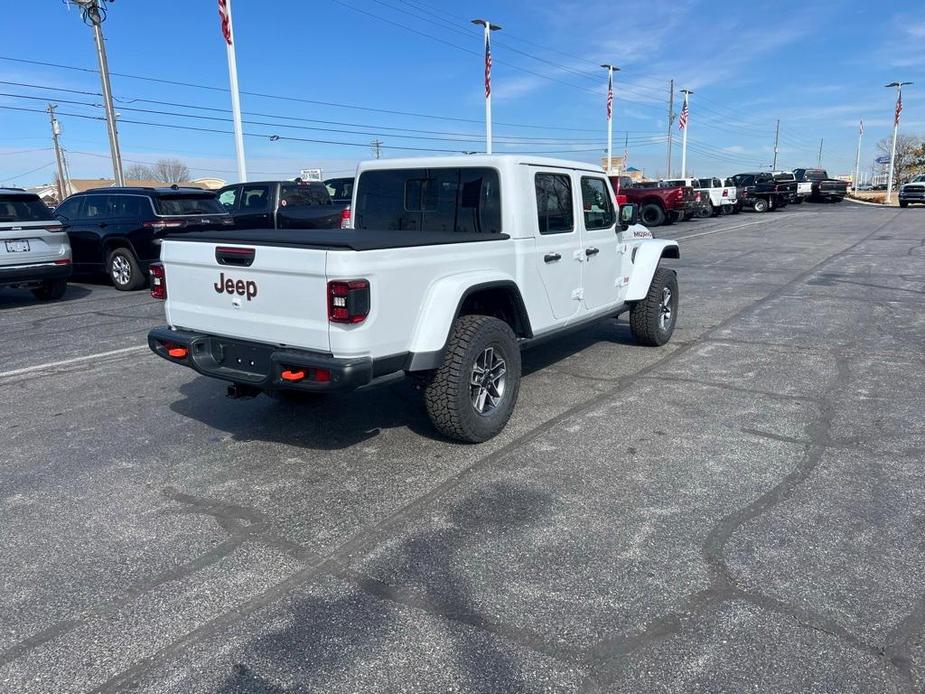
(857, 157)
(610, 70)
(776, 142)
(93, 14)
(899, 109)
(489, 27)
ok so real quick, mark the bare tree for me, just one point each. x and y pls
(907, 155)
(170, 171)
(139, 172)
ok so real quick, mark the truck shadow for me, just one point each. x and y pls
(407, 612)
(338, 421)
(14, 298)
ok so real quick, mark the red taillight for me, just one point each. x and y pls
(621, 199)
(63, 261)
(348, 301)
(158, 280)
(725, 192)
(697, 197)
(54, 228)
(164, 224)
(345, 220)
(177, 352)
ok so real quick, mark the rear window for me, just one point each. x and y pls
(815, 174)
(23, 208)
(451, 199)
(784, 177)
(171, 205)
(340, 187)
(303, 194)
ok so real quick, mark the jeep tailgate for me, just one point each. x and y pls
(268, 294)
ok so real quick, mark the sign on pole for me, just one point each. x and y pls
(311, 175)
(882, 160)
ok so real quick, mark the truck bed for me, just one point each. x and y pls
(335, 239)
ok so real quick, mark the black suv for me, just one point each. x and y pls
(294, 204)
(118, 230)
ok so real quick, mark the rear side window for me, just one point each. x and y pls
(172, 205)
(128, 206)
(465, 199)
(340, 187)
(554, 203)
(23, 208)
(303, 195)
(597, 204)
(96, 206)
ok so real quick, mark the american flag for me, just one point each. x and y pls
(626, 147)
(861, 130)
(899, 107)
(682, 119)
(225, 20)
(487, 66)
(609, 95)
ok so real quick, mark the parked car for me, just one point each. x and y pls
(454, 266)
(759, 191)
(658, 204)
(913, 191)
(864, 186)
(119, 230)
(721, 196)
(800, 192)
(340, 189)
(34, 250)
(294, 204)
(824, 188)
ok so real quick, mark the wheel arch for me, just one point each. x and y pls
(646, 259)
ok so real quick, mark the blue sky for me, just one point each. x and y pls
(817, 66)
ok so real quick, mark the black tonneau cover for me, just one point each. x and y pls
(335, 239)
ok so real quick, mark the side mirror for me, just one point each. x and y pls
(629, 215)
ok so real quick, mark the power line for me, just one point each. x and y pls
(30, 171)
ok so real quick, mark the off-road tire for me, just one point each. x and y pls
(52, 290)
(652, 215)
(135, 278)
(447, 394)
(646, 315)
(760, 205)
(706, 211)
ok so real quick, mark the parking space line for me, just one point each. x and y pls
(75, 360)
(738, 226)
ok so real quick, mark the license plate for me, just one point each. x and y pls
(17, 246)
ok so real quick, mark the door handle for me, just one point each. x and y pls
(591, 251)
(551, 257)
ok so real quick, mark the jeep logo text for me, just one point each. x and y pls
(240, 287)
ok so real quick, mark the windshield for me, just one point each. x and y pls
(23, 208)
(918, 179)
(451, 199)
(206, 203)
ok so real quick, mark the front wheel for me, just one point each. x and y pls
(652, 320)
(52, 290)
(472, 395)
(760, 205)
(903, 203)
(123, 270)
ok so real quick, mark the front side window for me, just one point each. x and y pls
(226, 198)
(597, 205)
(464, 199)
(69, 209)
(554, 203)
(255, 199)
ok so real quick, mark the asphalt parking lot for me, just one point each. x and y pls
(740, 510)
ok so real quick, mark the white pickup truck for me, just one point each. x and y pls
(453, 266)
(715, 196)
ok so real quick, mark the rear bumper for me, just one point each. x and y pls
(33, 274)
(261, 366)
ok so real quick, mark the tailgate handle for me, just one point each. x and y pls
(235, 255)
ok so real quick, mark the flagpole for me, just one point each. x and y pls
(610, 70)
(899, 108)
(687, 93)
(857, 158)
(228, 31)
(489, 27)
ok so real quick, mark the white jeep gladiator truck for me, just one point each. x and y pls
(453, 266)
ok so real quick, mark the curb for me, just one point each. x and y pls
(870, 204)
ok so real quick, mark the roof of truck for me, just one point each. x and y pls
(493, 160)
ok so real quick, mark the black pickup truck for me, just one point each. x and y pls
(282, 205)
(825, 189)
(759, 191)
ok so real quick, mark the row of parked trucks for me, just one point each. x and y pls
(678, 199)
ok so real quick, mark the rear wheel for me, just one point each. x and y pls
(472, 395)
(652, 320)
(706, 211)
(760, 205)
(652, 215)
(52, 290)
(124, 271)
(903, 203)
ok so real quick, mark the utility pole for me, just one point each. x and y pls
(819, 158)
(682, 123)
(776, 142)
(857, 158)
(670, 122)
(899, 109)
(489, 27)
(610, 70)
(376, 144)
(93, 13)
(59, 159)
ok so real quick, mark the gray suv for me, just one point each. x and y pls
(34, 249)
(913, 191)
